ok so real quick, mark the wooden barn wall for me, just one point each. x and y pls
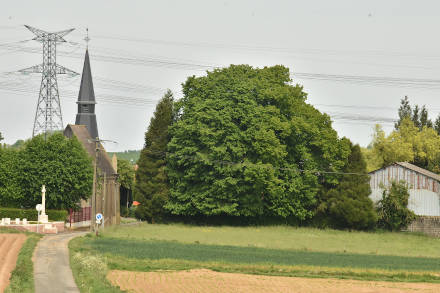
(424, 191)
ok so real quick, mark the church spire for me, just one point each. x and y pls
(86, 100)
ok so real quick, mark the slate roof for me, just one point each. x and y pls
(83, 135)
(86, 91)
(86, 100)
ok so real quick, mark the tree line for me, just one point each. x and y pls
(242, 145)
(415, 139)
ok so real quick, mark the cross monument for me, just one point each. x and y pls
(43, 217)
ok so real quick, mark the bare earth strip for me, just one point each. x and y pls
(10, 245)
(212, 282)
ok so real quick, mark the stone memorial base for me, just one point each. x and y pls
(42, 228)
(44, 219)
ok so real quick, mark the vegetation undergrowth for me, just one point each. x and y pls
(89, 270)
(22, 277)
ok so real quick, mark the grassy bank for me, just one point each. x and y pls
(89, 270)
(22, 277)
(282, 251)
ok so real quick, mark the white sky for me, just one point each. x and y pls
(372, 38)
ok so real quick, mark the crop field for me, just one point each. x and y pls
(10, 245)
(287, 238)
(270, 251)
(216, 282)
(16, 266)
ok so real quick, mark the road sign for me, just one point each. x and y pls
(39, 207)
(98, 216)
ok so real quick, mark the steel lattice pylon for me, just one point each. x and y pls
(48, 117)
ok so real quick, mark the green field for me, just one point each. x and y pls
(287, 238)
(285, 251)
(130, 155)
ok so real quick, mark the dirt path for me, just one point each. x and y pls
(10, 245)
(52, 271)
(213, 282)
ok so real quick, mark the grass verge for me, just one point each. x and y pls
(22, 277)
(89, 270)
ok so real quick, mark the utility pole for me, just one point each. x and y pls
(97, 142)
(95, 165)
(48, 117)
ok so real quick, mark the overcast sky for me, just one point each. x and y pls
(140, 48)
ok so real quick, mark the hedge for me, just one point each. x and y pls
(31, 214)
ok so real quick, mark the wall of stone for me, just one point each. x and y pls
(426, 225)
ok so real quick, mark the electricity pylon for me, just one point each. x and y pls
(48, 117)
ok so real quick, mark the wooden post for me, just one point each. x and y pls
(104, 212)
(93, 215)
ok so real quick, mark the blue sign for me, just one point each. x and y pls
(98, 216)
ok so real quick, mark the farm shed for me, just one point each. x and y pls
(423, 186)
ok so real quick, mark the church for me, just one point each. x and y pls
(85, 130)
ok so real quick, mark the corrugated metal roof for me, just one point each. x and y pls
(419, 170)
(414, 168)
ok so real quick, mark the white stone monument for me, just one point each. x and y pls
(43, 217)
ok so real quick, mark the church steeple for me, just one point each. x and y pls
(86, 100)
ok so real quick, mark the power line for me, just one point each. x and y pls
(419, 83)
(247, 164)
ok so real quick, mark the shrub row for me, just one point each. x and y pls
(31, 214)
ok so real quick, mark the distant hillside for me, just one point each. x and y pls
(127, 155)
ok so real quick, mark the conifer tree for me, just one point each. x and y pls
(437, 124)
(151, 188)
(348, 205)
(404, 111)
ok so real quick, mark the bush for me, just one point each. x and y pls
(31, 214)
(393, 209)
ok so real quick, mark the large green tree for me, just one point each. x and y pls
(11, 193)
(245, 143)
(59, 163)
(152, 188)
(348, 205)
(409, 144)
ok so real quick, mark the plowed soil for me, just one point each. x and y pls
(10, 245)
(207, 281)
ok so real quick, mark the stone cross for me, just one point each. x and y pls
(43, 217)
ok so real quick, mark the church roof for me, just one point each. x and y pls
(86, 92)
(83, 135)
